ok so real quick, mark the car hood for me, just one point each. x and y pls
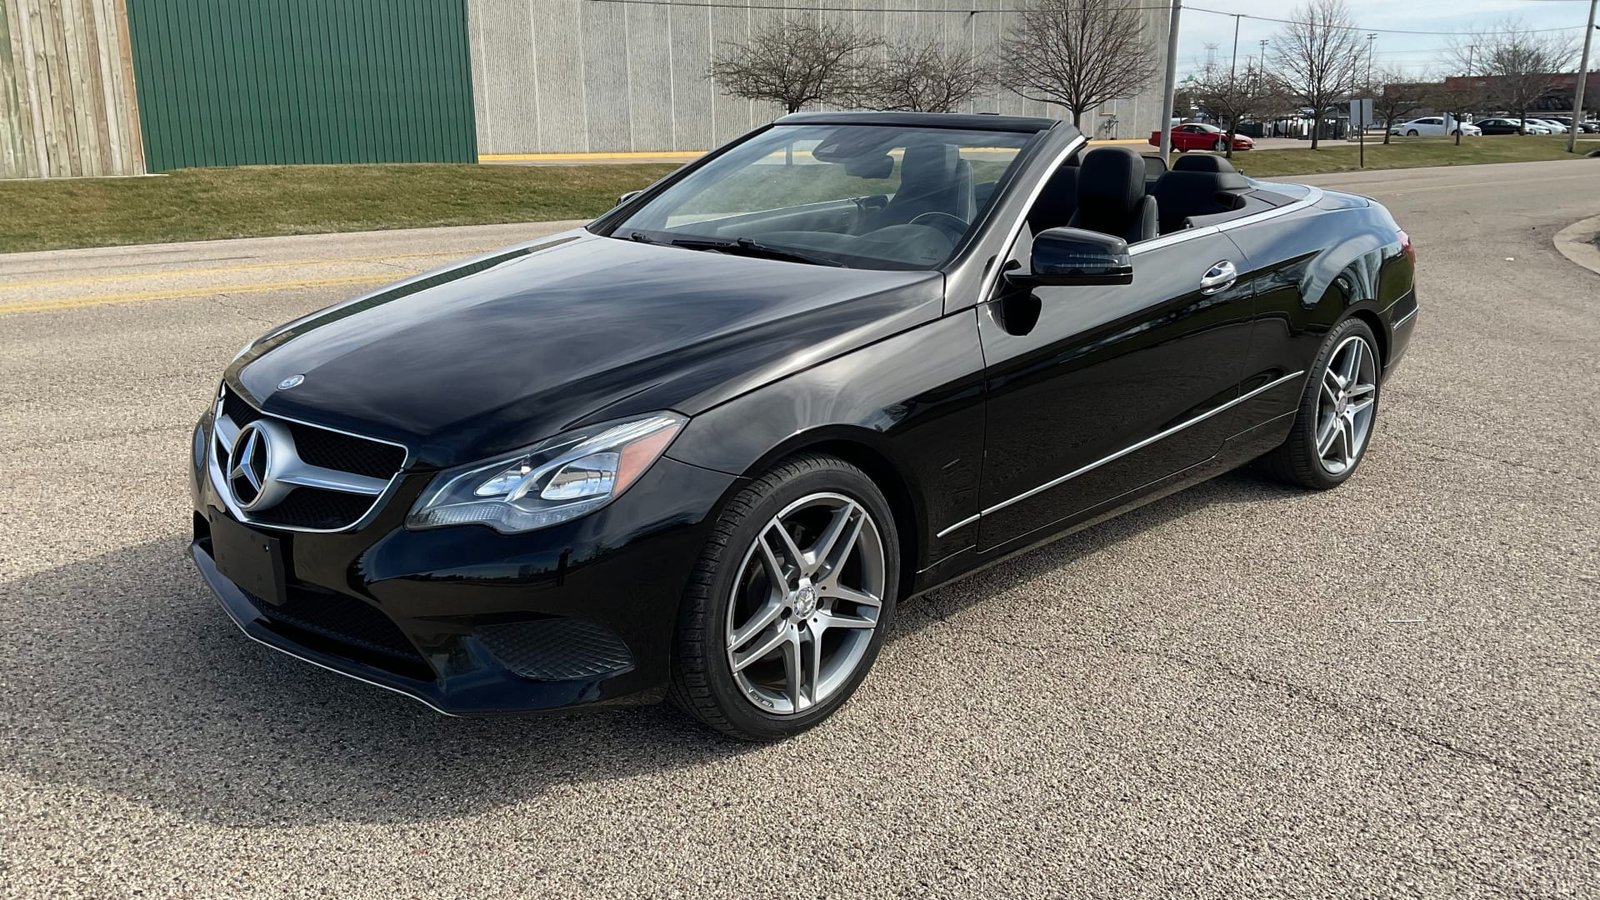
(510, 348)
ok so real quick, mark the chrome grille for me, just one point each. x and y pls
(315, 478)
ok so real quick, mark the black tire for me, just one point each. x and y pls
(1296, 460)
(703, 682)
(1412, 133)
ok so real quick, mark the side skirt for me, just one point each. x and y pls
(1242, 448)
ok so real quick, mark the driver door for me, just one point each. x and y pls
(1097, 391)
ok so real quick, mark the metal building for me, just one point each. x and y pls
(630, 75)
(123, 87)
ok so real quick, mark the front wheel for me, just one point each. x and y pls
(790, 601)
(1338, 411)
(1221, 146)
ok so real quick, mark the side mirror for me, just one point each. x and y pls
(1072, 256)
(628, 196)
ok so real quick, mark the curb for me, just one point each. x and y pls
(1577, 243)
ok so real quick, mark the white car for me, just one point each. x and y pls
(1555, 127)
(1533, 126)
(1433, 126)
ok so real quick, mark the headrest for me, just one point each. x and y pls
(929, 162)
(1111, 178)
(1202, 163)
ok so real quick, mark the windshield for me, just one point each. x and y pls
(863, 196)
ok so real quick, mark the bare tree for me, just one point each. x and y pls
(1395, 97)
(1233, 97)
(926, 77)
(1319, 56)
(797, 61)
(1077, 53)
(1455, 97)
(1517, 65)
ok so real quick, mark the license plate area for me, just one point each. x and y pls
(249, 559)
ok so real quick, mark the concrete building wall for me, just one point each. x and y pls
(600, 76)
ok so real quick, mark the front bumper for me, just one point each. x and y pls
(470, 621)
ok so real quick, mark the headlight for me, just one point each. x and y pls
(552, 482)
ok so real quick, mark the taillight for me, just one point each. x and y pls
(1406, 248)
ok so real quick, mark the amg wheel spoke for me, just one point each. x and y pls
(779, 638)
(1326, 438)
(1331, 386)
(813, 657)
(1349, 432)
(769, 613)
(774, 567)
(1361, 390)
(838, 542)
(789, 548)
(1358, 406)
(826, 620)
(1352, 363)
(791, 668)
(838, 591)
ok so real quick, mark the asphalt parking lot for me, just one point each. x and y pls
(1392, 689)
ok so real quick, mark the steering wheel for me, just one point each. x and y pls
(951, 224)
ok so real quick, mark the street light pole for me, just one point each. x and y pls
(1583, 78)
(1170, 92)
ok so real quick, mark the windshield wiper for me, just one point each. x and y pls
(748, 247)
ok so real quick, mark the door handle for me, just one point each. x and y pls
(1219, 277)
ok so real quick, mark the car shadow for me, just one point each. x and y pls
(126, 678)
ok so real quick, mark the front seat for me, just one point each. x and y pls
(1197, 186)
(933, 178)
(1111, 197)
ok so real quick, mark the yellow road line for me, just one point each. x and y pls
(143, 296)
(252, 267)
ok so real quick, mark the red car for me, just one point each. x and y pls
(1200, 136)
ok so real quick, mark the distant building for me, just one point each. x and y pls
(124, 87)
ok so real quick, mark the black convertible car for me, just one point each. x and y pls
(702, 447)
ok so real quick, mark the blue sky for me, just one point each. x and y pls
(1415, 54)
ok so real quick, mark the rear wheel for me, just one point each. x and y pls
(790, 602)
(1411, 133)
(1338, 411)
(1221, 146)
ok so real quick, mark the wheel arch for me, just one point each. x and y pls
(864, 449)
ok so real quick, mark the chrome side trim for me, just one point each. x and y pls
(1312, 198)
(959, 525)
(1405, 320)
(1142, 444)
(993, 274)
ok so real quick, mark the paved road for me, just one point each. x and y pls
(1242, 691)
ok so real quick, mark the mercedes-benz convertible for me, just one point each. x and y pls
(701, 448)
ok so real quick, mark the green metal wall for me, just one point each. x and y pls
(254, 82)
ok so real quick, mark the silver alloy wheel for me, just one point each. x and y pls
(1221, 146)
(1345, 407)
(805, 603)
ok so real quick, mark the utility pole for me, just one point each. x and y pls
(1170, 92)
(1372, 36)
(1234, 66)
(1583, 77)
(1264, 42)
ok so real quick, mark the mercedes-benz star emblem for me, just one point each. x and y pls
(247, 465)
(291, 381)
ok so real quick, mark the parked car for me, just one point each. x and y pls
(704, 446)
(1200, 136)
(1503, 125)
(1553, 126)
(1434, 126)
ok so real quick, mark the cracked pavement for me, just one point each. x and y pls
(1388, 690)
